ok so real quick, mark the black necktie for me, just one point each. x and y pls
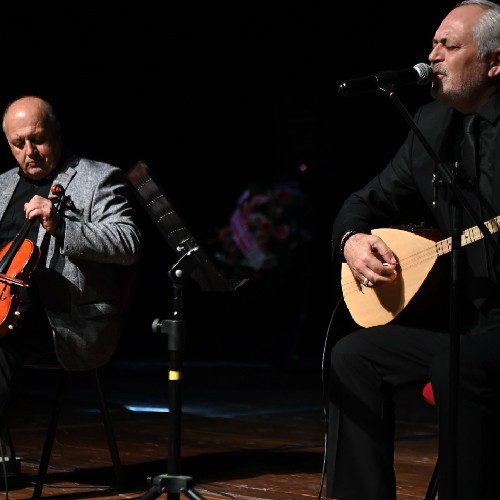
(476, 251)
(469, 150)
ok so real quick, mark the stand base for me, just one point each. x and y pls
(165, 483)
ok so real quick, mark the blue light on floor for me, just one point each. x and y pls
(148, 409)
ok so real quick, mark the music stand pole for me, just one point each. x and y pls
(172, 483)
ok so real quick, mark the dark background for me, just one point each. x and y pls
(213, 98)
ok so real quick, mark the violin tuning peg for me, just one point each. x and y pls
(17, 313)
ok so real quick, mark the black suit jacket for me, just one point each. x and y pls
(403, 192)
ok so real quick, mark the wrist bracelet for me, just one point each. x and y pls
(344, 239)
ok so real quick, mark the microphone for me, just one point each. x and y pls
(421, 74)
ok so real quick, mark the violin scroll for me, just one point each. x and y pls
(57, 190)
(59, 197)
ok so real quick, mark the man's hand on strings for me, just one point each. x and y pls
(370, 259)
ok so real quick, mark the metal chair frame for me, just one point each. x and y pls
(57, 405)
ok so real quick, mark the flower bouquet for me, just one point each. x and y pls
(265, 231)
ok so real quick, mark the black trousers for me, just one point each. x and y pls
(30, 340)
(368, 365)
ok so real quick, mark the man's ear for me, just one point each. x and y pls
(494, 69)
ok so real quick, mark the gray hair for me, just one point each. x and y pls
(49, 111)
(486, 32)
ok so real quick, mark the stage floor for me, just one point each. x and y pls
(248, 432)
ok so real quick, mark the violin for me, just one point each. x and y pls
(18, 259)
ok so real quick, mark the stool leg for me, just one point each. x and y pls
(432, 489)
(49, 439)
(11, 467)
(110, 435)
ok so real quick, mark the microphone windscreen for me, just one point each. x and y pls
(424, 73)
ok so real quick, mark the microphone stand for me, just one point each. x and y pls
(447, 176)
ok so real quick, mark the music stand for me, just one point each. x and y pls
(193, 262)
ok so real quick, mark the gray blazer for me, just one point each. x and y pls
(77, 277)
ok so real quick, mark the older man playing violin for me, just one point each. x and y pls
(82, 229)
